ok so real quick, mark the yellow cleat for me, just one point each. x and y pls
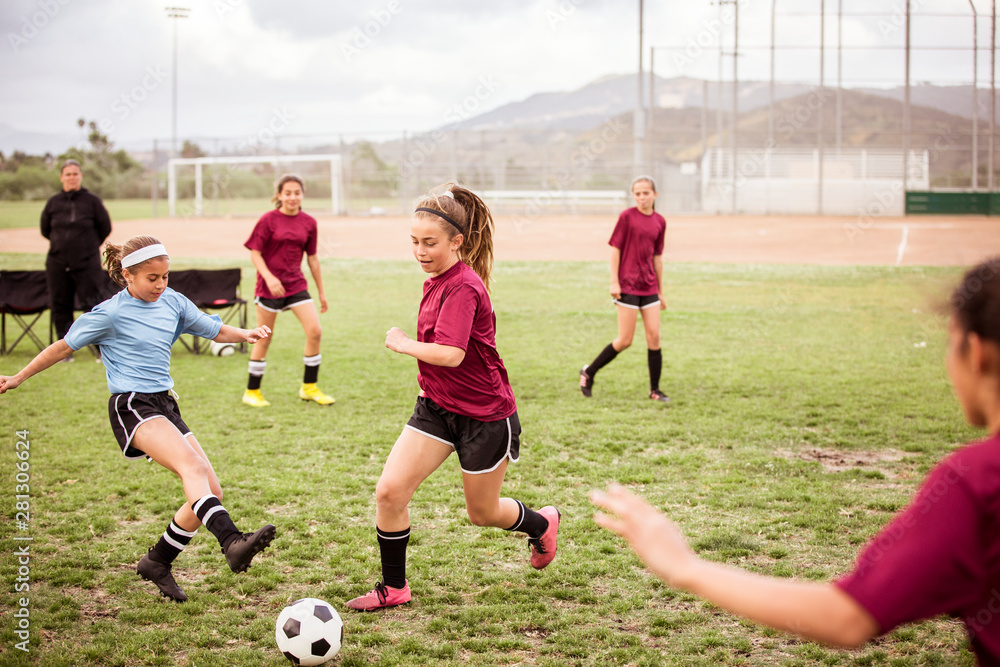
(254, 398)
(310, 392)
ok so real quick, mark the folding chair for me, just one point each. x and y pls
(217, 289)
(23, 294)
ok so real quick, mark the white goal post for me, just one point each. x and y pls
(336, 175)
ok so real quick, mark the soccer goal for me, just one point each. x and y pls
(241, 184)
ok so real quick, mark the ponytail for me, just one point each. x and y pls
(113, 255)
(466, 214)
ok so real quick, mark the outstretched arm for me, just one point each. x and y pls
(820, 612)
(54, 353)
(228, 334)
(431, 353)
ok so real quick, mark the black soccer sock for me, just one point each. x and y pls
(257, 369)
(311, 373)
(171, 544)
(214, 516)
(529, 521)
(655, 360)
(392, 547)
(606, 356)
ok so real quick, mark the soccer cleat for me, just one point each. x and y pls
(657, 395)
(310, 392)
(159, 574)
(380, 597)
(241, 551)
(586, 382)
(254, 398)
(543, 548)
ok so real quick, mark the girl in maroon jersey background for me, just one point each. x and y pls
(465, 404)
(940, 555)
(277, 243)
(636, 284)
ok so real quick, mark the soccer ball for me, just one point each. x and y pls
(309, 632)
(221, 349)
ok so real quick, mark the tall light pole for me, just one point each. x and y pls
(637, 121)
(175, 13)
(975, 97)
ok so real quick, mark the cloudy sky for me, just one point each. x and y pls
(321, 67)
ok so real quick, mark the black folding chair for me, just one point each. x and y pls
(24, 296)
(209, 289)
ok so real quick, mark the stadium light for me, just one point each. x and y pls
(175, 13)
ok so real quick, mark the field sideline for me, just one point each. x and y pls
(809, 400)
(908, 241)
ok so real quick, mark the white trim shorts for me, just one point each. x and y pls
(481, 446)
(638, 302)
(127, 411)
(283, 303)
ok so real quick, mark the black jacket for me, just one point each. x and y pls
(76, 224)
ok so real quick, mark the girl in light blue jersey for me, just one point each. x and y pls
(136, 330)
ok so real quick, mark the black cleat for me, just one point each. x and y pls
(586, 382)
(159, 574)
(241, 551)
(657, 395)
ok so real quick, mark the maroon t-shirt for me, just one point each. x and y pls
(456, 311)
(639, 237)
(941, 555)
(281, 240)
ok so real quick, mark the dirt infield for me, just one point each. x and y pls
(911, 241)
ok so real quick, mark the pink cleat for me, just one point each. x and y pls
(543, 548)
(380, 597)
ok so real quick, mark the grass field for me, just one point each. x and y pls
(808, 402)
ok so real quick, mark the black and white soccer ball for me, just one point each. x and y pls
(309, 632)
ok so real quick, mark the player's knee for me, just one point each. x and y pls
(193, 467)
(480, 516)
(390, 496)
(621, 345)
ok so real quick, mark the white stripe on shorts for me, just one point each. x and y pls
(510, 438)
(432, 437)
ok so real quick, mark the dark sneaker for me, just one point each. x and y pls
(380, 597)
(586, 382)
(657, 395)
(543, 548)
(241, 551)
(159, 574)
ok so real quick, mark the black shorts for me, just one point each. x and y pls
(481, 446)
(638, 302)
(127, 411)
(285, 302)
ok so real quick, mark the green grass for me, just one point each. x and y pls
(766, 366)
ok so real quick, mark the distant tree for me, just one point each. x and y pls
(191, 149)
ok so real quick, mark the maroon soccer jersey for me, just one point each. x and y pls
(639, 237)
(456, 311)
(941, 555)
(281, 240)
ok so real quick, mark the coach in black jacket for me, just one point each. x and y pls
(76, 223)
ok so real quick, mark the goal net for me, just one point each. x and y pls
(243, 185)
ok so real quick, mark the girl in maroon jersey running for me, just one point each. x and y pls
(276, 246)
(636, 284)
(465, 403)
(940, 555)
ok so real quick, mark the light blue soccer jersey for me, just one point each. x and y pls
(136, 337)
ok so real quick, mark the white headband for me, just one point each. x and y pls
(142, 254)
